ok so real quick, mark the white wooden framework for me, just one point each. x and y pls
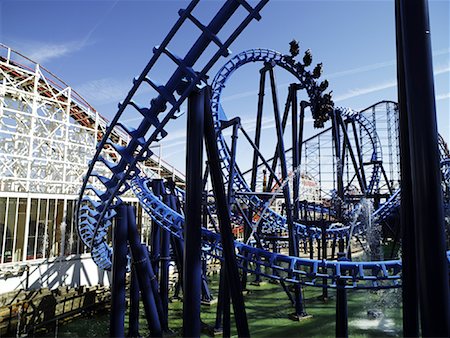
(48, 135)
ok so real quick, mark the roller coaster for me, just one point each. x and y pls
(353, 162)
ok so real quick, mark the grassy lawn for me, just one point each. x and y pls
(268, 308)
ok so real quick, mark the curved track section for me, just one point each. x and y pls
(445, 162)
(101, 193)
(393, 203)
(271, 221)
(358, 275)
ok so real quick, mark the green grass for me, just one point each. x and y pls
(267, 309)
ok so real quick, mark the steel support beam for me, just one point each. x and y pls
(133, 316)
(296, 145)
(223, 214)
(410, 293)
(192, 267)
(293, 243)
(118, 303)
(164, 271)
(432, 265)
(148, 283)
(262, 84)
(341, 305)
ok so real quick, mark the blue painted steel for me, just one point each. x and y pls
(377, 275)
(426, 189)
(133, 316)
(145, 276)
(161, 253)
(232, 284)
(118, 302)
(359, 275)
(272, 221)
(193, 213)
(341, 306)
(166, 103)
(95, 214)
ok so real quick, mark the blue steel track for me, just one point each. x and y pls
(100, 194)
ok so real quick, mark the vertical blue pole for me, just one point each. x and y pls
(155, 246)
(159, 190)
(410, 296)
(293, 242)
(219, 309)
(296, 144)
(144, 272)
(223, 213)
(164, 275)
(177, 247)
(193, 212)
(324, 256)
(341, 304)
(119, 266)
(432, 265)
(133, 317)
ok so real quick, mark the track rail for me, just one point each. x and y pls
(358, 275)
(100, 194)
(270, 220)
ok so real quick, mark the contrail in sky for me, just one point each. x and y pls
(99, 22)
(353, 71)
(381, 86)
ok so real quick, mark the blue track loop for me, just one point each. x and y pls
(270, 220)
(114, 165)
(107, 175)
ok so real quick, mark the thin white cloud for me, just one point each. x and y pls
(352, 93)
(103, 91)
(99, 22)
(442, 69)
(43, 52)
(362, 69)
(443, 96)
(381, 86)
(352, 71)
(379, 65)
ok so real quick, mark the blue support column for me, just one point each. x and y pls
(164, 275)
(176, 243)
(177, 247)
(410, 296)
(164, 259)
(119, 268)
(193, 213)
(145, 274)
(297, 139)
(229, 253)
(206, 294)
(155, 238)
(432, 265)
(133, 316)
(219, 309)
(341, 304)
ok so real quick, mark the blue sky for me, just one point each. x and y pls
(97, 47)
